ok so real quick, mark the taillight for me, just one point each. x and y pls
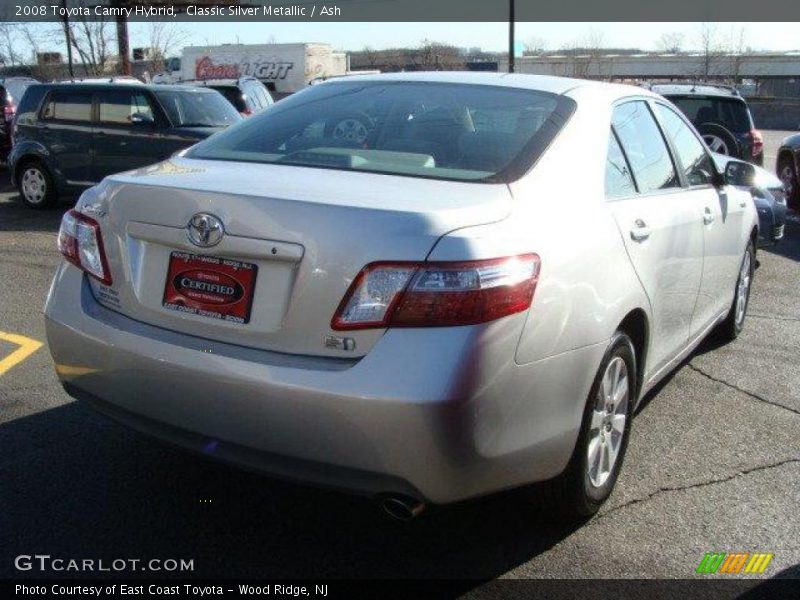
(9, 110)
(758, 142)
(81, 243)
(246, 112)
(438, 294)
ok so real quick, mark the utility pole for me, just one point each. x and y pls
(68, 37)
(122, 44)
(511, 65)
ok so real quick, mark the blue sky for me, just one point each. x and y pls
(489, 36)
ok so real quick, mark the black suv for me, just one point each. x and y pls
(720, 115)
(247, 94)
(70, 135)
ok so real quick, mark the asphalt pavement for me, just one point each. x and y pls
(713, 465)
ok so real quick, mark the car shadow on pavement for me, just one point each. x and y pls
(78, 485)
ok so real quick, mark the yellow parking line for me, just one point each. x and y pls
(27, 346)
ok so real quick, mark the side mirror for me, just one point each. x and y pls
(141, 119)
(740, 174)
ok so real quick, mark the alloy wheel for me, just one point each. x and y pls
(351, 130)
(607, 425)
(743, 288)
(716, 144)
(787, 178)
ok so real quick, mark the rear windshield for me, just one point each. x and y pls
(449, 131)
(197, 108)
(730, 112)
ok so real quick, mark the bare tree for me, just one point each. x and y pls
(585, 52)
(93, 41)
(535, 45)
(10, 49)
(163, 39)
(711, 50)
(736, 51)
(670, 43)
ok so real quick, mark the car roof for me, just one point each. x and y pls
(695, 89)
(542, 83)
(95, 85)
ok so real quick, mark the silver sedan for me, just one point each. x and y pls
(420, 287)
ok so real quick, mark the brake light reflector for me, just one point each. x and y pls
(438, 294)
(758, 142)
(81, 243)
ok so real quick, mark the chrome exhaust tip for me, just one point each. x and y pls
(402, 508)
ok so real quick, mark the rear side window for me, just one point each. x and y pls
(694, 159)
(450, 131)
(618, 176)
(68, 106)
(233, 95)
(122, 107)
(729, 112)
(645, 147)
(16, 89)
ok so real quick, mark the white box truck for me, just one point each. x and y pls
(283, 68)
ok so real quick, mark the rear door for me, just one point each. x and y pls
(723, 214)
(126, 135)
(65, 129)
(660, 223)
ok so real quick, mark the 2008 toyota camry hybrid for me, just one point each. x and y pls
(419, 287)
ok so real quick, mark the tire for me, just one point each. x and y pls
(583, 487)
(352, 128)
(719, 139)
(35, 185)
(733, 324)
(787, 171)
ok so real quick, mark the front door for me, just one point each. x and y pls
(722, 217)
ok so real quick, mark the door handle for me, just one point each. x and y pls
(708, 216)
(640, 231)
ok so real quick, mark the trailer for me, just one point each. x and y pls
(283, 68)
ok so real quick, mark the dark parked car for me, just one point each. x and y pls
(11, 91)
(247, 94)
(769, 197)
(788, 168)
(720, 115)
(71, 135)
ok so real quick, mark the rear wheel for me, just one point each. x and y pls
(599, 452)
(733, 324)
(719, 139)
(36, 185)
(788, 174)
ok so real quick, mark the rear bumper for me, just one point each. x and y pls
(439, 414)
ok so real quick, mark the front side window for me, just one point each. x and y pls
(691, 153)
(644, 147)
(451, 131)
(197, 108)
(124, 107)
(68, 106)
(618, 176)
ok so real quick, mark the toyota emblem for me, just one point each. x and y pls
(205, 230)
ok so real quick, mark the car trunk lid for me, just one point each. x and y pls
(306, 231)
